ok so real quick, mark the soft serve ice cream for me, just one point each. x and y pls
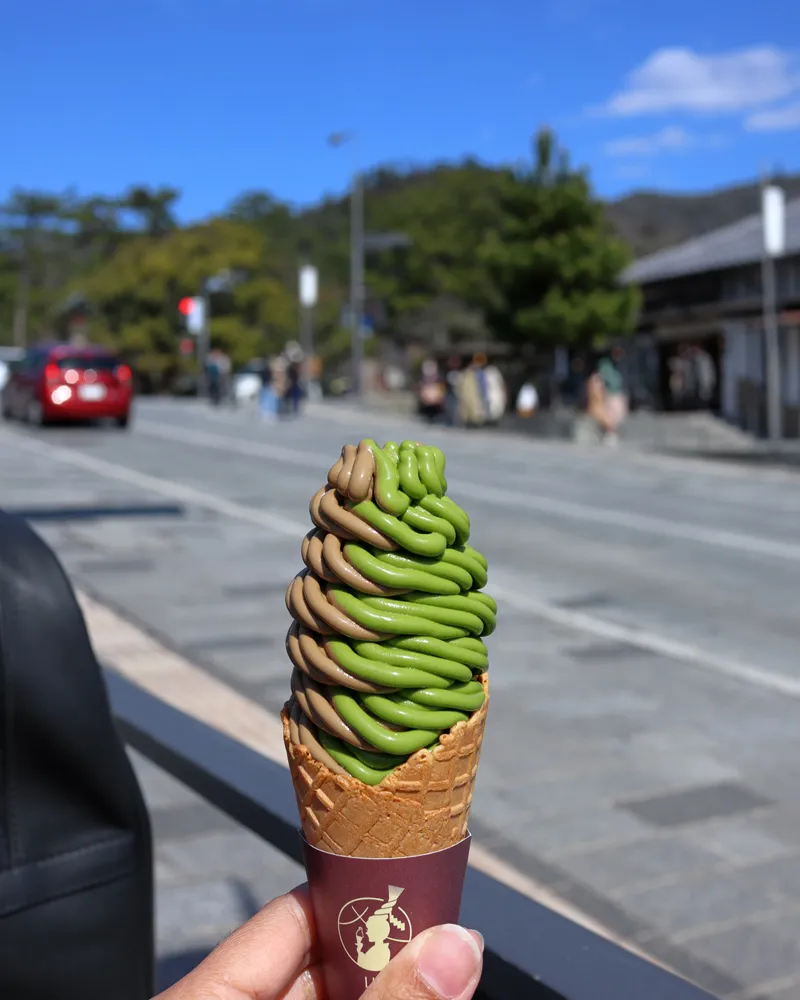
(389, 688)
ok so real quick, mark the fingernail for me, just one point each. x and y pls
(448, 961)
(479, 938)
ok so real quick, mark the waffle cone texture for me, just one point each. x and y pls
(421, 807)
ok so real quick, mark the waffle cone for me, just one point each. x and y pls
(422, 806)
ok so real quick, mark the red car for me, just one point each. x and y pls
(60, 383)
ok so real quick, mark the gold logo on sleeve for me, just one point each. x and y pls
(373, 930)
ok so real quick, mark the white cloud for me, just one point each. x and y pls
(775, 119)
(683, 80)
(671, 139)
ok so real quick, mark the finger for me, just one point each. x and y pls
(307, 986)
(443, 963)
(261, 960)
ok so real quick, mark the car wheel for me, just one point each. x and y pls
(123, 422)
(34, 414)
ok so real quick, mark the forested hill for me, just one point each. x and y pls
(647, 220)
(651, 220)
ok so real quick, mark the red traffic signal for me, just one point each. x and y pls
(186, 306)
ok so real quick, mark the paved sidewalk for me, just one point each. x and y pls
(211, 874)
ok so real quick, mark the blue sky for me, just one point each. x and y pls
(219, 96)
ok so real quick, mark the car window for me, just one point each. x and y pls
(31, 362)
(97, 362)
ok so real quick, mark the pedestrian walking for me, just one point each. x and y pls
(471, 395)
(607, 400)
(451, 390)
(294, 389)
(527, 399)
(267, 400)
(214, 377)
(496, 395)
(430, 392)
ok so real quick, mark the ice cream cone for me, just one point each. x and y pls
(421, 807)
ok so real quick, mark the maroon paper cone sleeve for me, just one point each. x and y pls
(367, 909)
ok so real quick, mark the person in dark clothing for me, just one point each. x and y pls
(214, 380)
(294, 390)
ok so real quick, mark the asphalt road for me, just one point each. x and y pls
(642, 753)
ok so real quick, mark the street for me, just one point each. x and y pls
(641, 760)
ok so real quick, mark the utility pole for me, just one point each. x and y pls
(357, 282)
(21, 306)
(773, 213)
(203, 340)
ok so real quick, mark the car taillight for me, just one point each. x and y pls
(123, 373)
(52, 373)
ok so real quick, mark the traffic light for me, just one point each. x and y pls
(193, 310)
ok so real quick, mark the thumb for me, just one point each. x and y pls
(443, 963)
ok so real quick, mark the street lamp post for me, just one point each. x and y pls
(360, 243)
(774, 225)
(308, 293)
(356, 262)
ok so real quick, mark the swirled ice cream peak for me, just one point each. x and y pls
(388, 613)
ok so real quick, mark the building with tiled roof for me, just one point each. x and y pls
(703, 297)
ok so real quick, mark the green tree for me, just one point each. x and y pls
(552, 262)
(154, 207)
(33, 240)
(135, 295)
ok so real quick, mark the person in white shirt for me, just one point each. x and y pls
(527, 399)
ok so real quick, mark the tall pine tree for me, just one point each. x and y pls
(553, 261)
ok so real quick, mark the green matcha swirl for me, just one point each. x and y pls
(388, 614)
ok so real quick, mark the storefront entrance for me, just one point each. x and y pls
(690, 374)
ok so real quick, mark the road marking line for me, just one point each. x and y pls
(511, 593)
(565, 509)
(650, 642)
(142, 659)
(166, 487)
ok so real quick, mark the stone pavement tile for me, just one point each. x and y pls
(785, 989)
(611, 915)
(782, 782)
(179, 821)
(586, 830)
(231, 853)
(271, 692)
(692, 805)
(756, 953)
(499, 811)
(740, 841)
(198, 912)
(691, 904)
(781, 876)
(623, 868)
(681, 756)
(583, 792)
(784, 824)
(160, 789)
